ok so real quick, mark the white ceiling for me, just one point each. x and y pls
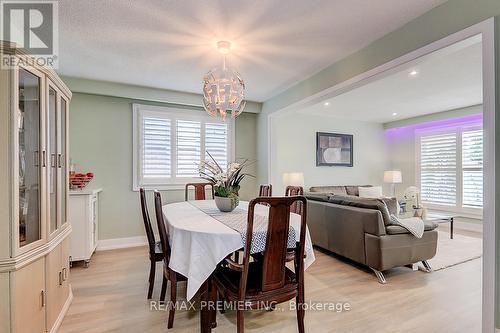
(170, 44)
(447, 79)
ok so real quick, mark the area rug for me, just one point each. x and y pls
(451, 252)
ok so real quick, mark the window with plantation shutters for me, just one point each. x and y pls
(472, 168)
(438, 168)
(170, 143)
(450, 168)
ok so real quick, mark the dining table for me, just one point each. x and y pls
(201, 237)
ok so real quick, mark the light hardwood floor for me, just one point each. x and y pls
(110, 296)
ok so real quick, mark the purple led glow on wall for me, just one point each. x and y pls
(452, 122)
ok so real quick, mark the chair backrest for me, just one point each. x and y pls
(147, 222)
(275, 254)
(162, 229)
(297, 207)
(266, 190)
(199, 190)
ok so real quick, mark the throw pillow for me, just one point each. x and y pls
(392, 205)
(370, 192)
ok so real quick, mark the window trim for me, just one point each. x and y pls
(174, 114)
(467, 211)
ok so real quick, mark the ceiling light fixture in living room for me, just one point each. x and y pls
(223, 88)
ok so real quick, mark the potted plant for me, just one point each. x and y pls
(226, 182)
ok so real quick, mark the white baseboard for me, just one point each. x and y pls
(121, 243)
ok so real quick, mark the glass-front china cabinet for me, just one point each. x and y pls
(34, 226)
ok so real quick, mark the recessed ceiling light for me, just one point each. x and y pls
(413, 72)
(394, 114)
(326, 103)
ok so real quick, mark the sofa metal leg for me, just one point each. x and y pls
(380, 276)
(427, 266)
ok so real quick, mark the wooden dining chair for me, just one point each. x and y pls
(297, 207)
(168, 273)
(266, 190)
(199, 190)
(155, 249)
(266, 282)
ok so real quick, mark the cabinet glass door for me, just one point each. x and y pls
(52, 181)
(62, 158)
(30, 157)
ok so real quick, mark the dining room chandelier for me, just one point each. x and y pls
(223, 88)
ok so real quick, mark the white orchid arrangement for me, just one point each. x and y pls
(226, 182)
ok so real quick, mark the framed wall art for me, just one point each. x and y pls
(333, 149)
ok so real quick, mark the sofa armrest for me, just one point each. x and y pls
(341, 229)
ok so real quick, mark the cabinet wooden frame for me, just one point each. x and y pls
(61, 217)
(16, 248)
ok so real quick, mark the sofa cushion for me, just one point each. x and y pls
(368, 203)
(370, 192)
(317, 196)
(340, 190)
(397, 230)
(353, 190)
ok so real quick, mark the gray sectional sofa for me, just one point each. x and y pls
(361, 229)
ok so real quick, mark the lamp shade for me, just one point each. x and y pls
(393, 177)
(293, 179)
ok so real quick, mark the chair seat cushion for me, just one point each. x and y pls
(229, 280)
(397, 230)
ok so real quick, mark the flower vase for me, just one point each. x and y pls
(226, 204)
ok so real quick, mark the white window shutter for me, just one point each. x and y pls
(216, 143)
(438, 165)
(472, 165)
(156, 148)
(188, 148)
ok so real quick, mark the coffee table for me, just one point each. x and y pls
(441, 218)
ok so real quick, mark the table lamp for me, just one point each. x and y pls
(393, 177)
(293, 179)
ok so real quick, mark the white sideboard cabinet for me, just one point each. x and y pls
(84, 208)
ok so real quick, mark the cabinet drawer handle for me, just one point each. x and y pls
(65, 273)
(59, 160)
(60, 278)
(43, 298)
(36, 159)
(44, 157)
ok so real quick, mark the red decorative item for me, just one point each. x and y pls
(78, 181)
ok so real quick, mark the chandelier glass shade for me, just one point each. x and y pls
(223, 92)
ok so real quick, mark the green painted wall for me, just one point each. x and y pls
(101, 142)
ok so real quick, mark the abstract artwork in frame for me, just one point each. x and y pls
(333, 149)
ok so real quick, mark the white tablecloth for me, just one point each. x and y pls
(199, 242)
